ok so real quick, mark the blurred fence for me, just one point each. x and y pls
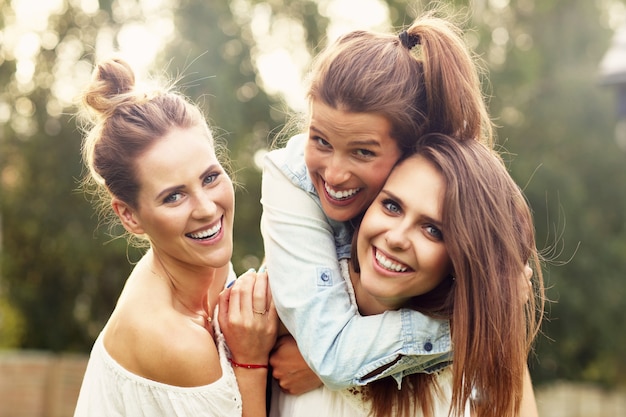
(40, 384)
(566, 399)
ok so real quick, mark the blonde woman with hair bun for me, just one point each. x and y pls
(165, 350)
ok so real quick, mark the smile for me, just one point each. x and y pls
(206, 234)
(342, 194)
(388, 264)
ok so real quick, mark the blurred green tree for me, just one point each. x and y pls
(60, 277)
(62, 270)
(557, 124)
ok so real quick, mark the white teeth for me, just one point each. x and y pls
(207, 233)
(389, 264)
(339, 195)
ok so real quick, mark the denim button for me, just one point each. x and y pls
(428, 346)
(324, 277)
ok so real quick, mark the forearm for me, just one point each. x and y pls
(528, 407)
(252, 386)
(346, 349)
(250, 337)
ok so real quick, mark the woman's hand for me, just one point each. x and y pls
(248, 319)
(289, 368)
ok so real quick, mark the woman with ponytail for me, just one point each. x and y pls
(371, 97)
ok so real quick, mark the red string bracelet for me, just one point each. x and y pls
(246, 365)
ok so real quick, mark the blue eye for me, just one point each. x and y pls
(434, 232)
(211, 178)
(391, 206)
(173, 198)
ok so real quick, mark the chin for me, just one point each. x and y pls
(340, 215)
(221, 256)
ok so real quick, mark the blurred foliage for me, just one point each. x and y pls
(11, 325)
(558, 124)
(61, 272)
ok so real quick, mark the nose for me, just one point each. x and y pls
(397, 238)
(337, 171)
(204, 205)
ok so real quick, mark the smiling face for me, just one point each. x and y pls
(400, 246)
(186, 200)
(349, 156)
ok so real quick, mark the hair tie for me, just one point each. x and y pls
(409, 41)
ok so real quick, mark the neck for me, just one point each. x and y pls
(367, 303)
(196, 289)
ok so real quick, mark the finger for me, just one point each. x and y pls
(528, 272)
(271, 307)
(243, 288)
(271, 311)
(235, 299)
(259, 295)
(224, 304)
(269, 289)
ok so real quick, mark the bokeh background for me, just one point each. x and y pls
(548, 85)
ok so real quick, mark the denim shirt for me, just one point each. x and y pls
(302, 250)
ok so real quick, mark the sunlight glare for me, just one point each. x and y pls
(281, 75)
(33, 14)
(347, 15)
(147, 25)
(282, 56)
(27, 46)
(89, 6)
(138, 45)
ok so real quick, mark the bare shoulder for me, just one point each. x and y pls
(162, 345)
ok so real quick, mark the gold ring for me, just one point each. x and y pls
(259, 312)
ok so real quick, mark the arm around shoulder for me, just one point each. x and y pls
(313, 301)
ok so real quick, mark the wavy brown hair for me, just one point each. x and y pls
(432, 87)
(489, 235)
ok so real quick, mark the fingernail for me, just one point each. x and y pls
(230, 284)
(263, 268)
(250, 270)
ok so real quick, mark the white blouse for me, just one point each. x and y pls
(110, 390)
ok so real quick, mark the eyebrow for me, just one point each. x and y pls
(173, 188)
(366, 142)
(362, 142)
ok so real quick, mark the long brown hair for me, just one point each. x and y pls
(431, 87)
(489, 235)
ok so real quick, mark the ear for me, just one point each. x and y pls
(127, 216)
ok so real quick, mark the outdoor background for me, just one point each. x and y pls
(244, 61)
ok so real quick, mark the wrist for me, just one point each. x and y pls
(248, 365)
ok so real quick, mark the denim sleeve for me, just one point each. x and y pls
(312, 299)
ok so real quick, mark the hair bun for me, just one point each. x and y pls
(112, 85)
